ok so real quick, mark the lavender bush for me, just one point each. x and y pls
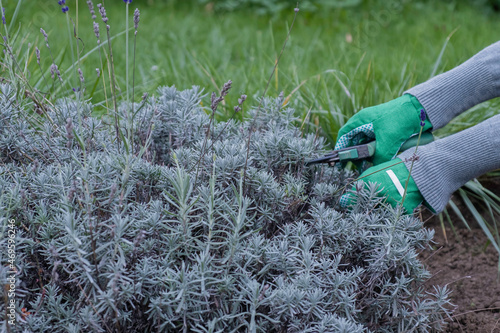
(165, 230)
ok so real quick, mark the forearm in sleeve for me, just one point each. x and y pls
(444, 165)
(447, 95)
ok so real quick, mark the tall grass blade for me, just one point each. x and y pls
(458, 213)
(479, 219)
(438, 61)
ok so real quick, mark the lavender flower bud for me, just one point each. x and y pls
(98, 72)
(242, 99)
(81, 75)
(65, 9)
(46, 37)
(96, 32)
(225, 88)
(414, 157)
(54, 70)
(91, 9)
(3, 16)
(281, 96)
(216, 100)
(44, 34)
(37, 52)
(102, 11)
(422, 117)
(137, 18)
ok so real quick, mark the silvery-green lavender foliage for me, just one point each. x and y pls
(162, 230)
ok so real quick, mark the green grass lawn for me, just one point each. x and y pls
(335, 62)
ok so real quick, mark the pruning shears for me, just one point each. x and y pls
(366, 151)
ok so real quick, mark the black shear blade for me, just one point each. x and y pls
(331, 158)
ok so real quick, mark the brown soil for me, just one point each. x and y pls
(470, 268)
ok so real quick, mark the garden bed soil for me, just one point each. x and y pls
(463, 261)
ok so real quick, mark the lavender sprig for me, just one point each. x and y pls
(37, 52)
(137, 18)
(242, 99)
(96, 33)
(91, 9)
(102, 11)
(54, 70)
(422, 117)
(216, 100)
(46, 37)
(63, 3)
(126, 49)
(80, 73)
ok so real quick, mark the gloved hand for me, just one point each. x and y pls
(391, 124)
(391, 176)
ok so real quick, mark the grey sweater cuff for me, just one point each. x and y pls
(446, 164)
(447, 95)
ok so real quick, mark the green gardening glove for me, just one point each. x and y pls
(391, 124)
(392, 176)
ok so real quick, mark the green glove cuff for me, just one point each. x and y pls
(392, 177)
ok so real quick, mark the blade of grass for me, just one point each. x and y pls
(458, 213)
(441, 222)
(479, 219)
(438, 60)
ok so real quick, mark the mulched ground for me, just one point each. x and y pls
(471, 270)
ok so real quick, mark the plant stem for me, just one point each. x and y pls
(76, 29)
(126, 50)
(409, 174)
(113, 88)
(71, 44)
(133, 87)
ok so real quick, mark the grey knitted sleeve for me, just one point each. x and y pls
(446, 164)
(447, 95)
